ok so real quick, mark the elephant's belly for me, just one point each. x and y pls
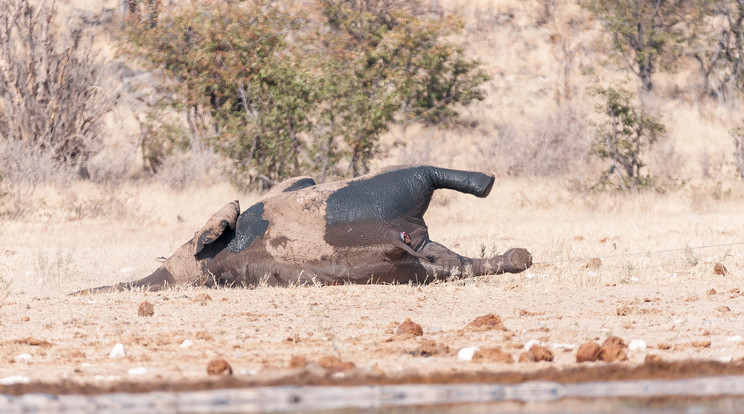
(254, 267)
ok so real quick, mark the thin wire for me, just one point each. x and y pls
(576, 259)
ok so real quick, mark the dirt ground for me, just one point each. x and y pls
(687, 316)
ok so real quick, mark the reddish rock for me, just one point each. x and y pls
(593, 264)
(614, 340)
(701, 344)
(494, 354)
(146, 309)
(34, 342)
(334, 364)
(487, 322)
(297, 361)
(428, 348)
(588, 352)
(723, 309)
(535, 354)
(219, 367)
(720, 269)
(651, 358)
(409, 328)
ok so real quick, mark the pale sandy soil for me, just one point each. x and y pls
(672, 301)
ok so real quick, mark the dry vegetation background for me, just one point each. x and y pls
(60, 233)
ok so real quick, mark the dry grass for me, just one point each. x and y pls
(663, 296)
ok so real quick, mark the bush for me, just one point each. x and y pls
(624, 134)
(51, 103)
(281, 93)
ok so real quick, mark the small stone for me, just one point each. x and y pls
(146, 309)
(467, 353)
(663, 345)
(34, 342)
(637, 345)
(409, 328)
(613, 349)
(614, 340)
(428, 348)
(486, 322)
(723, 309)
(219, 367)
(588, 352)
(494, 354)
(117, 351)
(24, 357)
(701, 344)
(593, 264)
(137, 371)
(186, 343)
(711, 292)
(651, 358)
(334, 364)
(536, 353)
(720, 269)
(202, 298)
(297, 361)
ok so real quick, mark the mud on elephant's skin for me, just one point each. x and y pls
(364, 230)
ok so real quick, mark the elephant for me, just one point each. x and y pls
(368, 229)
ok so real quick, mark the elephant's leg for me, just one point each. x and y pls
(447, 263)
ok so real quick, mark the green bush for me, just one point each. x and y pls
(623, 135)
(284, 92)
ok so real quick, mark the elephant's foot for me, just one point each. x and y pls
(516, 260)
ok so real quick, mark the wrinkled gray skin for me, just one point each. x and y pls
(352, 231)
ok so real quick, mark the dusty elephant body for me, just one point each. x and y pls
(365, 230)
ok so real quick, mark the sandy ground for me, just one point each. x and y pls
(672, 301)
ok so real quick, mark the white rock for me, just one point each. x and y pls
(138, 371)
(15, 379)
(725, 359)
(23, 357)
(735, 338)
(467, 353)
(633, 279)
(529, 344)
(117, 351)
(637, 345)
(127, 270)
(91, 302)
(186, 343)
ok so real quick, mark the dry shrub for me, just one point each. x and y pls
(556, 144)
(51, 104)
(50, 98)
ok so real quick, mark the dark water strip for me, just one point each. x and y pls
(377, 397)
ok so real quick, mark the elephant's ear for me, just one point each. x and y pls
(291, 184)
(226, 217)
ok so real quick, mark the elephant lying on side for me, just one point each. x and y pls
(364, 230)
